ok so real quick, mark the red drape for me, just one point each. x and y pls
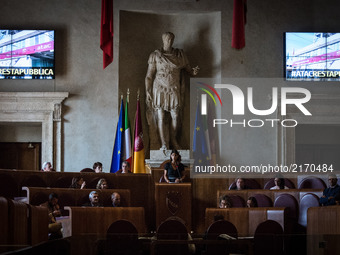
(106, 32)
(239, 20)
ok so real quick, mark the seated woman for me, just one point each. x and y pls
(102, 184)
(97, 167)
(252, 202)
(225, 202)
(174, 170)
(78, 183)
(54, 227)
(279, 184)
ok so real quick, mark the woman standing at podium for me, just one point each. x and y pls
(174, 170)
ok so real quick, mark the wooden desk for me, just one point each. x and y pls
(173, 200)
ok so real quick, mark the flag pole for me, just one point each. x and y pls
(128, 95)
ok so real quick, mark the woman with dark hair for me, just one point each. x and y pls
(225, 202)
(252, 202)
(78, 183)
(98, 167)
(174, 170)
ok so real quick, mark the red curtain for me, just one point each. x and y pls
(239, 20)
(106, 32)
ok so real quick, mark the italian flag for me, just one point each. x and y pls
(127, 153)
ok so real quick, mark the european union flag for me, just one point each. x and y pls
(200, 148)
(117, 155)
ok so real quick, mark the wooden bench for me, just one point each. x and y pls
(97, 220)
(74, 197)
(247, 219)
(37, 224)
(141, 186)
(22, 225)
(323, 229)
(272, 194)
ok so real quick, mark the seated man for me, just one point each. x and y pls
(329, 194)
(54, 227)
(239, 185)
(125, 168)
(94, 200)
(115, 198)
(279, 183)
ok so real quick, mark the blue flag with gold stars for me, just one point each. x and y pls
(200, 148)
(117, 155)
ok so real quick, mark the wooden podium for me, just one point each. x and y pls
(173, 200)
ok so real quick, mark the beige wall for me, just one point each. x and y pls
(203, 29)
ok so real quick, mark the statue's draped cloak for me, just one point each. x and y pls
(169, 78)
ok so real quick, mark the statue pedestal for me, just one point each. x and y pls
(157, 157)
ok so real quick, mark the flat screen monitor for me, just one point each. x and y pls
(311, 56)
(27, 54)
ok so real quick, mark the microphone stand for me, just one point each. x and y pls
(179, 174)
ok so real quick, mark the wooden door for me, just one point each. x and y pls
(20, 156)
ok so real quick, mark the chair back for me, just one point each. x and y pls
(268, 238)
(121, 238)
(250, 183)
(221, 227)
(289, 201)
(263, 200)
(214, 231)
(306, 201)
(63, 182)
(122, 229)
(237, 201)
(171, 230)
(87, 170)
(312, 182)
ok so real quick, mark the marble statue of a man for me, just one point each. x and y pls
(165, 88)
